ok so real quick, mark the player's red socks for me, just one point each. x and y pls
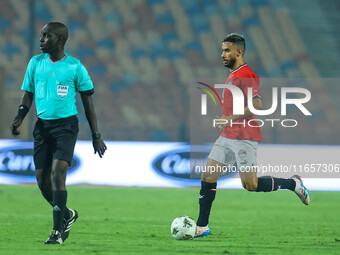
(207, 196)
(268, 183)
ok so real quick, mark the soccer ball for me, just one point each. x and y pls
(183, 228)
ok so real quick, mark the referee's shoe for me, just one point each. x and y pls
(55, 238)
(68, 224)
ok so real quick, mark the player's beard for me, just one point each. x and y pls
(231, 63)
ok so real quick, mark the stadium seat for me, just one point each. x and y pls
(155, 48)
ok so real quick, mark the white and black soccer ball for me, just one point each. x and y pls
(183, 228)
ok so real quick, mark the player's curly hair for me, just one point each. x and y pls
(237, 40)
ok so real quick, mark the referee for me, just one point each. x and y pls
(54, 78)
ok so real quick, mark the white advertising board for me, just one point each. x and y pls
(163, 164)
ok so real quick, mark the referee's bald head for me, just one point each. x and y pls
(60, 30)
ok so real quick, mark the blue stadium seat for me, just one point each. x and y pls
(84, 52)
(191, 7)
(157, 49)
(196, 10)
(74, 25)
(170, 36)
(165, 19)
(42, 11)
(4, 23)
(136, 54)
(188, 4)
(287, 66)
(114, 17)
(193, 45)
(174, 54)
(229, 11)
(106, 43)
(249, 42)
(98, 69)
(154, 2)
(117, 86)
(276, 4)
(159, 135)
(89, 8)
(10, 82)
(209, 3)
(25, 33)
(251, 21)
(130, 78)
(241, 4)
(11, 50)
(259, 3)
(212, 11)
(274, 73)
(200, 24)
(65, 2)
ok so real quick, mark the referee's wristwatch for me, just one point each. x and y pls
(96, 135)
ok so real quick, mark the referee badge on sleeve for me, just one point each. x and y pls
(62, 91)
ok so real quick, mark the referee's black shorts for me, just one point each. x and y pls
(54, 139)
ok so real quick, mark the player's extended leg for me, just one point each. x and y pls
(246, 158)
(268, 183)
(207, 195)
(249, 179)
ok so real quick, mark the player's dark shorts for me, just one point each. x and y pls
(54, 139)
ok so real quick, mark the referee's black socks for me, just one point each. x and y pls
(59, 207)
(207, 196)
(67, 211)
(268, 183)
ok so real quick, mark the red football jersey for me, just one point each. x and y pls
(244, 78)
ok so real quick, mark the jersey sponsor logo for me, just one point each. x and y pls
(16, 162)
(62, 91)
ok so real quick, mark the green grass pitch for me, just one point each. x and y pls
(137, 221)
